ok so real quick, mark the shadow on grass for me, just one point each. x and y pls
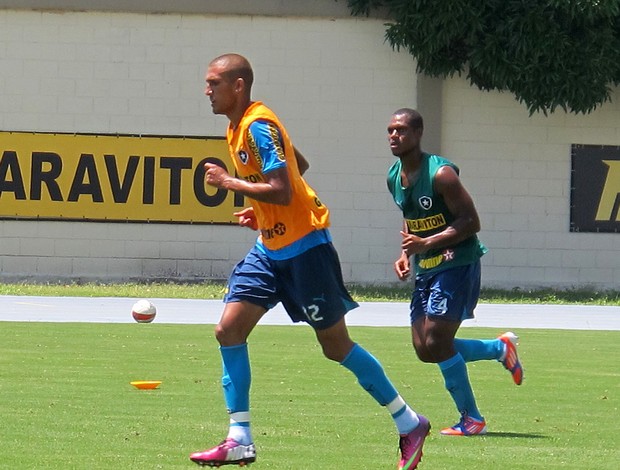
(516, 434)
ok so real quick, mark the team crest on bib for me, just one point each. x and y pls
(425, 202)
(243, 156)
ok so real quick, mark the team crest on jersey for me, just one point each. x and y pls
(243, 156)
(448, 255)
(425, 202)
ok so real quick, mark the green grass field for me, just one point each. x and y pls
(67, 402)
(214, 290)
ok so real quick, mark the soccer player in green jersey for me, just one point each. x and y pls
(440, 227)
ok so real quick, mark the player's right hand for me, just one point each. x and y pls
(215, 175)
(402, 266)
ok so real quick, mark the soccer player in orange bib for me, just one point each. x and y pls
(293, 261)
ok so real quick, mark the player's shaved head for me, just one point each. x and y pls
(414, 119)
(235, 66)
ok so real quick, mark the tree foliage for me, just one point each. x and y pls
(548, 53)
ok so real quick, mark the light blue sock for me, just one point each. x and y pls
(372, 378)
(479, 349)
(457, 383)
(236, 380)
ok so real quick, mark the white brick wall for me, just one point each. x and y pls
(334, 83)
(517, 168)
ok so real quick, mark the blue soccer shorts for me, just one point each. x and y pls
(451, 294)
(309, 285)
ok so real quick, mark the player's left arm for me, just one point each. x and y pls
(460, 204)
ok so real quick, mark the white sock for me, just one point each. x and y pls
(241, 434)
(405, 418)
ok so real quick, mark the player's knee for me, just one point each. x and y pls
(335, 346)
(220, 333)
(227, 336)
(333, 354)
(432, 350)
(423, 354)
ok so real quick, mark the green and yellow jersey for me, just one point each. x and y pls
(426, 214)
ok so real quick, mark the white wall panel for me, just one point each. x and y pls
(334, 83)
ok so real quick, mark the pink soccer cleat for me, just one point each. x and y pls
(411, 445)
(228, 452)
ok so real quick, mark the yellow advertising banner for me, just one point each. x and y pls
(112, 178)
